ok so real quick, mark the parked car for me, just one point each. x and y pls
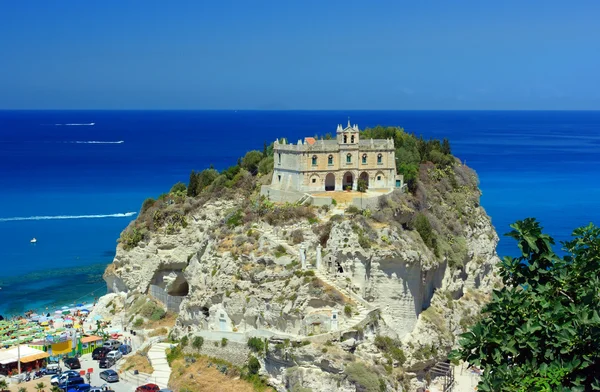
(80, 388)
(147, 388)
(125, 349)
(115, 354)
(72, 363)
(71, 382)
(52, 368)
(103, 388)
(112, 344)
(59, 378)
(165, 390)
(109, 375)
(106, 362)
(100, 353)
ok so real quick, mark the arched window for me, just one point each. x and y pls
(330, 160)
(379, 158)
(364, 159)
(349, 158)
(345, 138)
(314, 160)
(352, 139)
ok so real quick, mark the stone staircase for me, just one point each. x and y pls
(361, 308)
(158, 359)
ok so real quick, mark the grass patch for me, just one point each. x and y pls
(137, 362)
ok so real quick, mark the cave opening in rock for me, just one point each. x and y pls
(205, 311)
(180, 290)
(339, 267)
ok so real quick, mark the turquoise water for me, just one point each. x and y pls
(95, 177)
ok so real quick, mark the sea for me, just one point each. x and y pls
(73, 180)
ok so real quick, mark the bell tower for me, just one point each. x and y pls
(348, 135)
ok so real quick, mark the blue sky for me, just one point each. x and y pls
(299, 54)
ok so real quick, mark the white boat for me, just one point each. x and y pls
(33, 240)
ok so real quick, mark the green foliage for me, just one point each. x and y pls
(132, 236)
(364, 378)
(234, 219)
(348, 310)
(391, 348)
(138, 322)
(256, 344)
(179, 188)
(423, 227)
(174, 353)
(200, 181)
(198, 342)
(148, 203)
(251, 160)
(224, 342)
(3, 384)
(253, 365)
(361, 185)
(184, 341)
(541, 331)
(266, 165)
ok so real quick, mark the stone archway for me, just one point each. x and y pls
(330, 182)
(364, 176)
(348, 181)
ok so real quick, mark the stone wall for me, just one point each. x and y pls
(234, 352)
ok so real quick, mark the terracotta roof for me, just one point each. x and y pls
(89, 339)
(34, 357)
(310, 140)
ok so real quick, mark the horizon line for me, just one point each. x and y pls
(302, 110)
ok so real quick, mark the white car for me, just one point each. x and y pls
(60, 378)
(115, 354)
(112, 344)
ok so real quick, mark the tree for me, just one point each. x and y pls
(446, 147)
(541, 331)
(40, 386)
(266, 165)
(3, 384)
(193, 184)
(250, 160)
(22, 389)
(361, 185)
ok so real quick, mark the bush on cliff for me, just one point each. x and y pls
(541, 331)
(251, 160)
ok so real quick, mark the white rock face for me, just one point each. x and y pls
(237, 282)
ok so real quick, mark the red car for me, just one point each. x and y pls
(147, 388)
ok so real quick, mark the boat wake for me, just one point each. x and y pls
(97, 142)
(52, 217)
(82, 125)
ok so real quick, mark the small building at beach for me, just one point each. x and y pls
(334, 165)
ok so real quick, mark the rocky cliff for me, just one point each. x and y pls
(346, 298)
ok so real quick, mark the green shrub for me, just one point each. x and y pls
(334, 202)
(147, 204)
(179, 188)
(235, 219)
(423, 227)
(256, 344)
(251, 160)
(364, 378)
(198, 342)
(138, 322)
(348, 310)
(352, 210)
(391, 347)
(253, 365)
(266, 165)
(184, 341)
(158, 314)
(224, 342)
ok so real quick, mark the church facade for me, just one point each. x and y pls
(335, 165)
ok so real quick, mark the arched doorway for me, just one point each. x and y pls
(348, 180)
(364, 176)
(330, 182)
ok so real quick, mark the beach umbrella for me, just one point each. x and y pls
(80, 305)
(58, 312)
(68, 321)
(66, 312)
(84, 311)
(65, 307)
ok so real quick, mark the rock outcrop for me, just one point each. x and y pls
(416, 270)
